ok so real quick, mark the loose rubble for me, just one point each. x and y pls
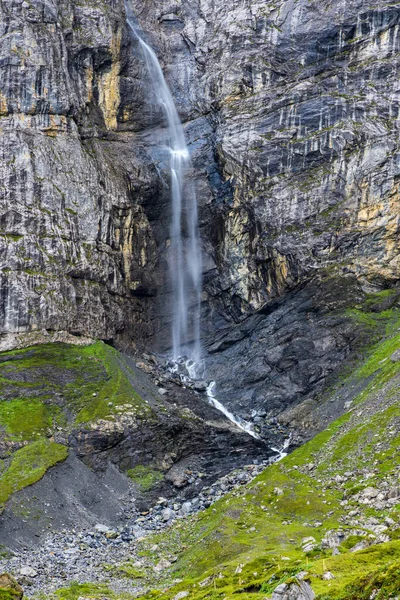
(92, 555)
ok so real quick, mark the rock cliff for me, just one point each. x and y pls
(291, 111)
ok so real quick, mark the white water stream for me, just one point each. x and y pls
(241, 423)
(185, 264)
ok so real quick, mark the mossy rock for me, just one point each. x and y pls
(145, 477)
(28, 465)
(9, 588)
(56, 387)
(89, 590)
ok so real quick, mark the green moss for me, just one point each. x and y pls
(87, 590)
(91, 379)
(8, 595)
(382, 300)
(380, 358)
(126, 569)
(28, 465)
(382, 584)
(145, 477)
(46, 387)
(11, 237)
(26, 418)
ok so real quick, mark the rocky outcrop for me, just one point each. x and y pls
(304, 138)
(300, 590)
(9, 588)
(74, 238)
(86, 436)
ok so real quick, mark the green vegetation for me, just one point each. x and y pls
(251, 540)
(86, 590)
(9, 595)
(23, 419)
(89, 378)
(145, 477)
(126, 569)
(49, 387)
(9, 588)
(27, 465)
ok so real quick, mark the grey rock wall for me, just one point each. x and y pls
(291, 110)
(76, 248)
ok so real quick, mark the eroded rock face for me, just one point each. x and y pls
(304, 113)
(291, 115)
(75, 239)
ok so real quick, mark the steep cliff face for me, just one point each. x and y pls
(74, 238)
(291, 111)
(303, 103)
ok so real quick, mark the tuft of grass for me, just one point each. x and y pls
(145, 477)
(126, 569)
(88, 590)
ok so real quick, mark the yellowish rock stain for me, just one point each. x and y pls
(109, 92)
(3, 105)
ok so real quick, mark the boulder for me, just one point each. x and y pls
(299, 590)
(167, 514)
(308, 544)
(28, 572)
(181, 595)
(9, 588)
(200, 386)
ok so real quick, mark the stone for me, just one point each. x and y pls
(181, 595)
(200, 386)
(308, 544)
(10, 588)
(162, 565)
(362, 545)
(100, 528)
(167, 514)
(394, 493)
(395, 356)
(186, 508)
(370, 492)
(300, 590)
(28, 572)
(332, 539)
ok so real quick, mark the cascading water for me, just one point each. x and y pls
(185, 263)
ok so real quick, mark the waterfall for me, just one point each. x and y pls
(241, 423)
(185, 264)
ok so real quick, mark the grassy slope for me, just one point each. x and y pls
(51, 387)
(251, 540)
